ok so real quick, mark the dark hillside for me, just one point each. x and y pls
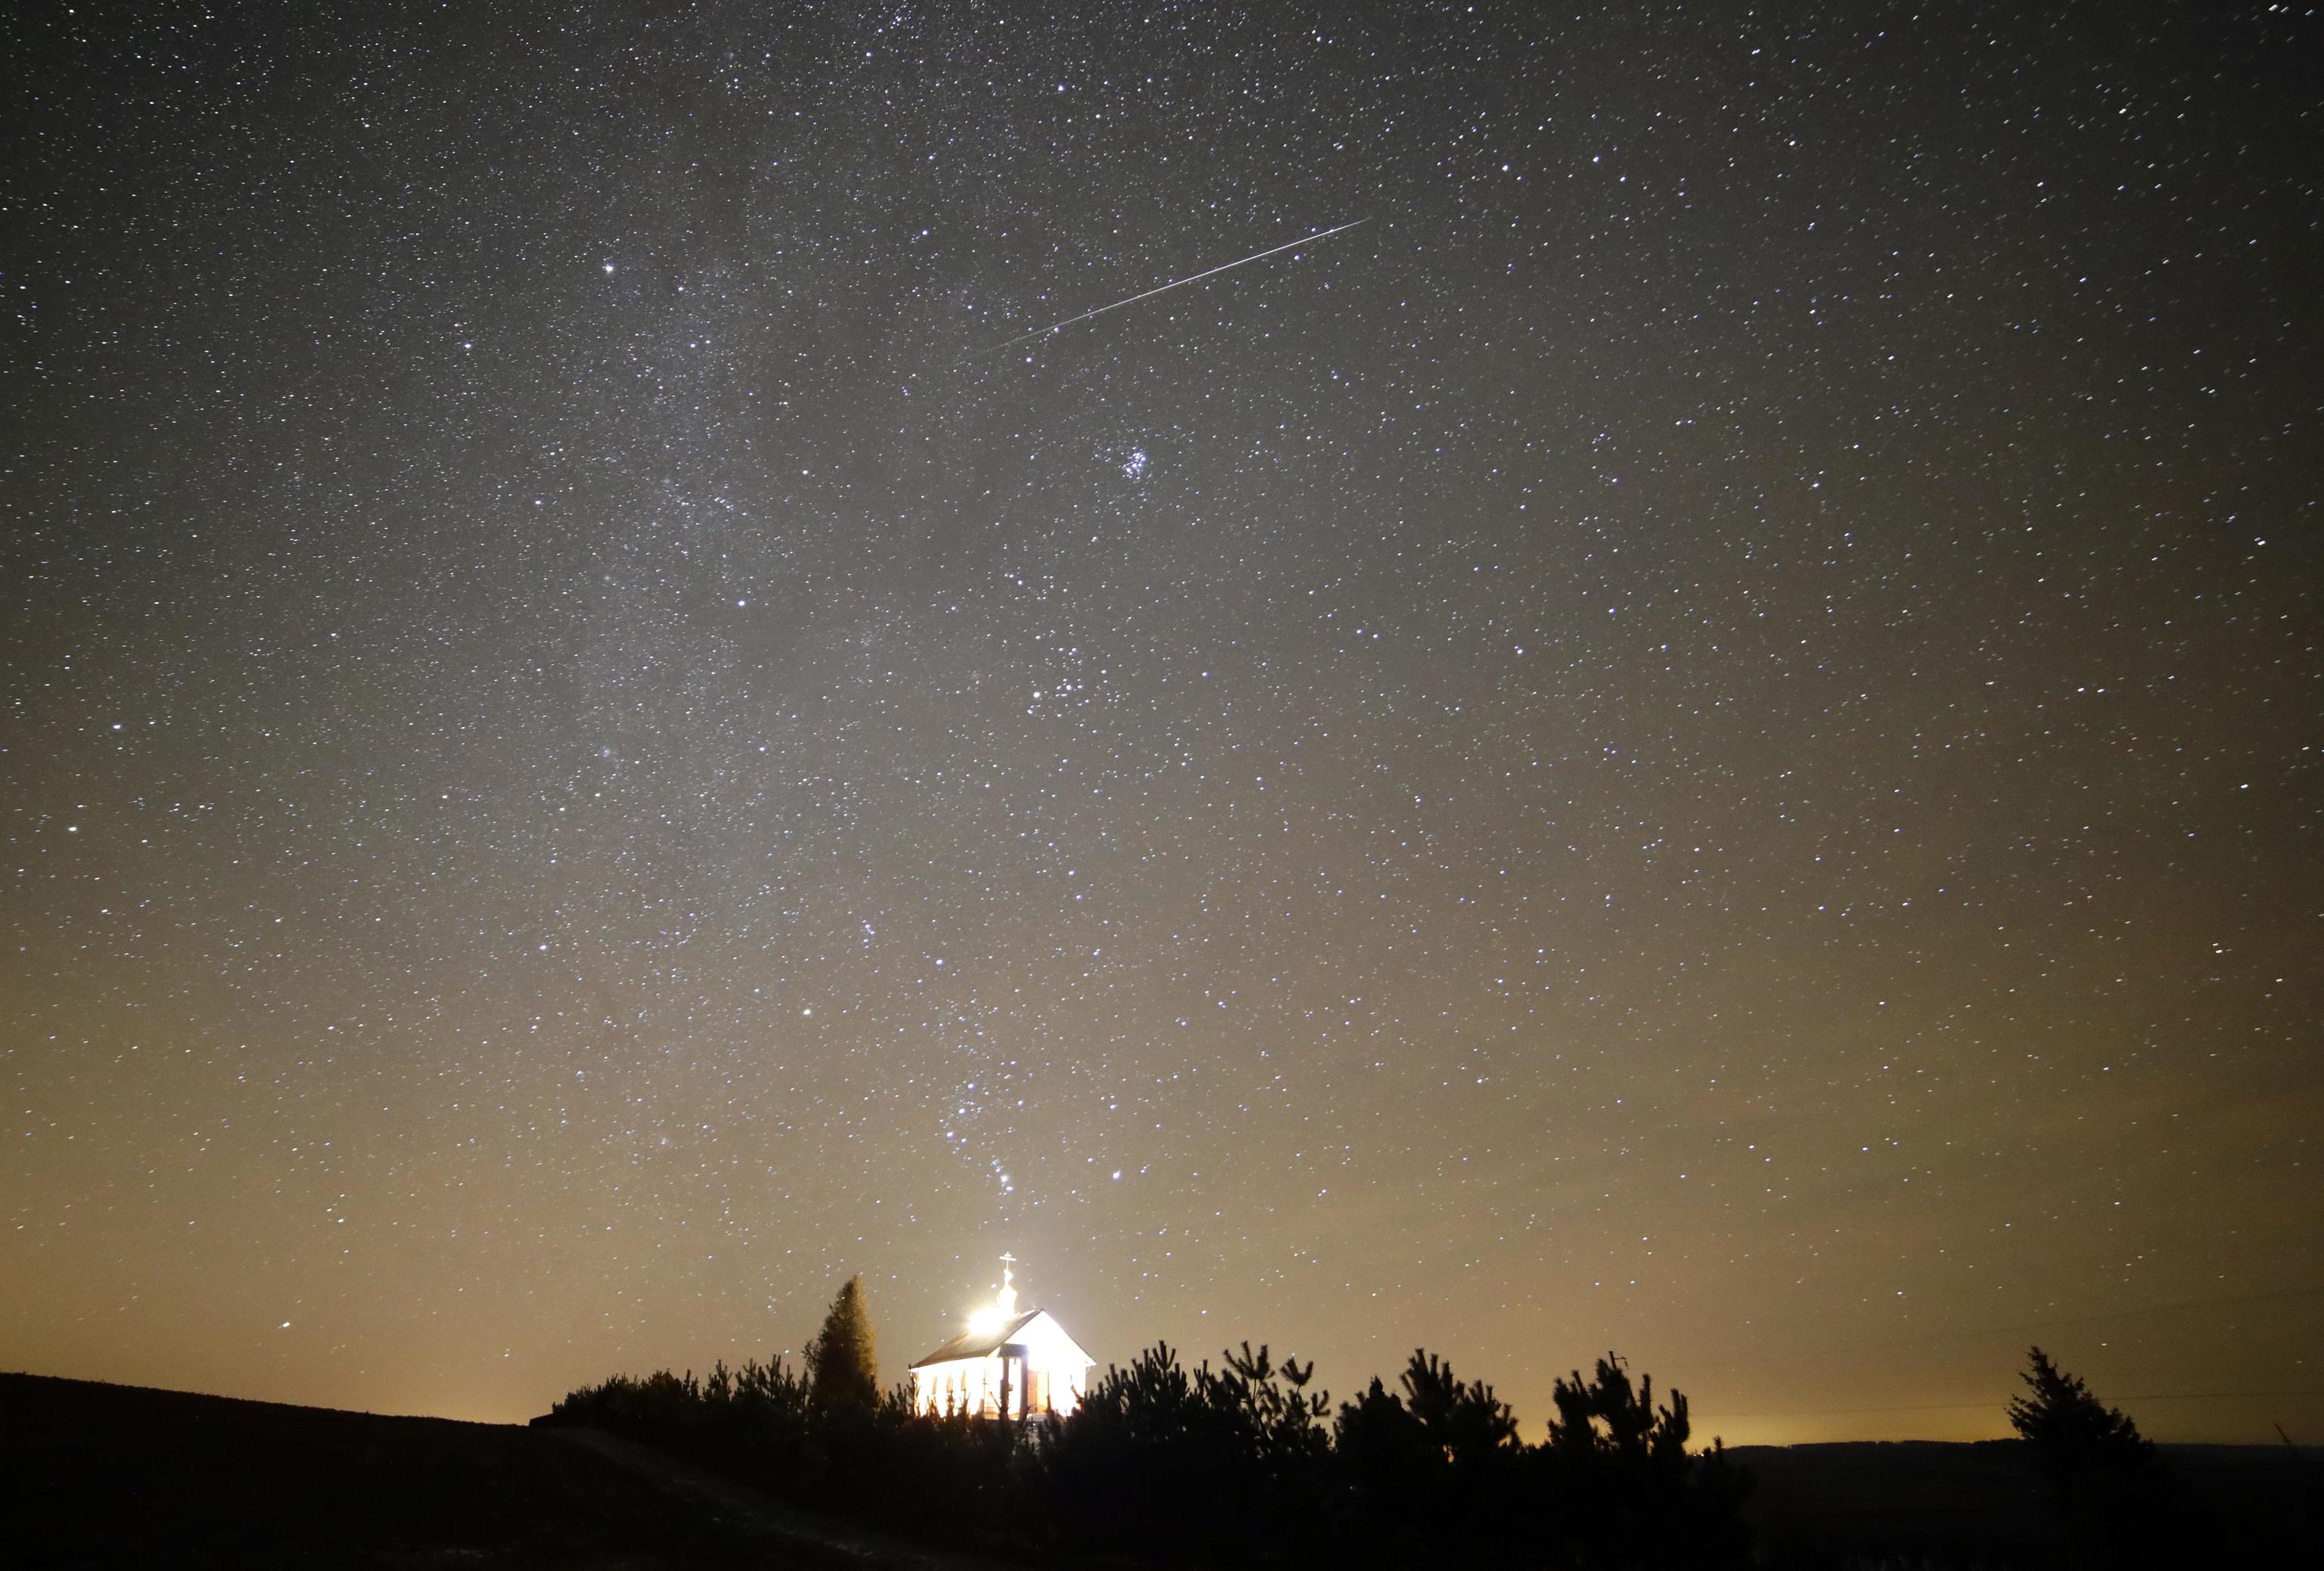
(103, 1475)
(1927, 1502)
(1910, 1500)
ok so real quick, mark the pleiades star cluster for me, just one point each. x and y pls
(1698, 738)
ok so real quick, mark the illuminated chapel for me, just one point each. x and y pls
(1009, 1363)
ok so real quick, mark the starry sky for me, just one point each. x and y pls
(1702, 738)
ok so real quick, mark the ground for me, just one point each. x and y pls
(94, 1475)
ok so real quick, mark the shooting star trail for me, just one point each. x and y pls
(1159, 289)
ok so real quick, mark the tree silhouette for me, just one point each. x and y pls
(1627, 1490)
(1436, 1474)
(1276, 1411)
(2071, 1431)
(1604, 1414)
(1465, 1420)
(1218, 1466)
(2120, 1508)
(841, 1368)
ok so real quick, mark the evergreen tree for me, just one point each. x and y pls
(2120, 1508)
(842, 1369)
(1631, 1492)
(2068, 1429)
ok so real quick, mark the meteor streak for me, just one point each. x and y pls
(1160, 288)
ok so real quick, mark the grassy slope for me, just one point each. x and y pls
(94, 1475)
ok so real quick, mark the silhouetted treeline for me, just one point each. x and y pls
(1239, 1466)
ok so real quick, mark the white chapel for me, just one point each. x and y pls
(1008, 1363)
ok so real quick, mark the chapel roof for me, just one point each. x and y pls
(981, 1344)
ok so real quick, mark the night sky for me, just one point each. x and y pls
(1703, 737)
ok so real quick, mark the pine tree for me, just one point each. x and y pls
(2070, 1430)
(843, 1369)
(2121, 1508)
